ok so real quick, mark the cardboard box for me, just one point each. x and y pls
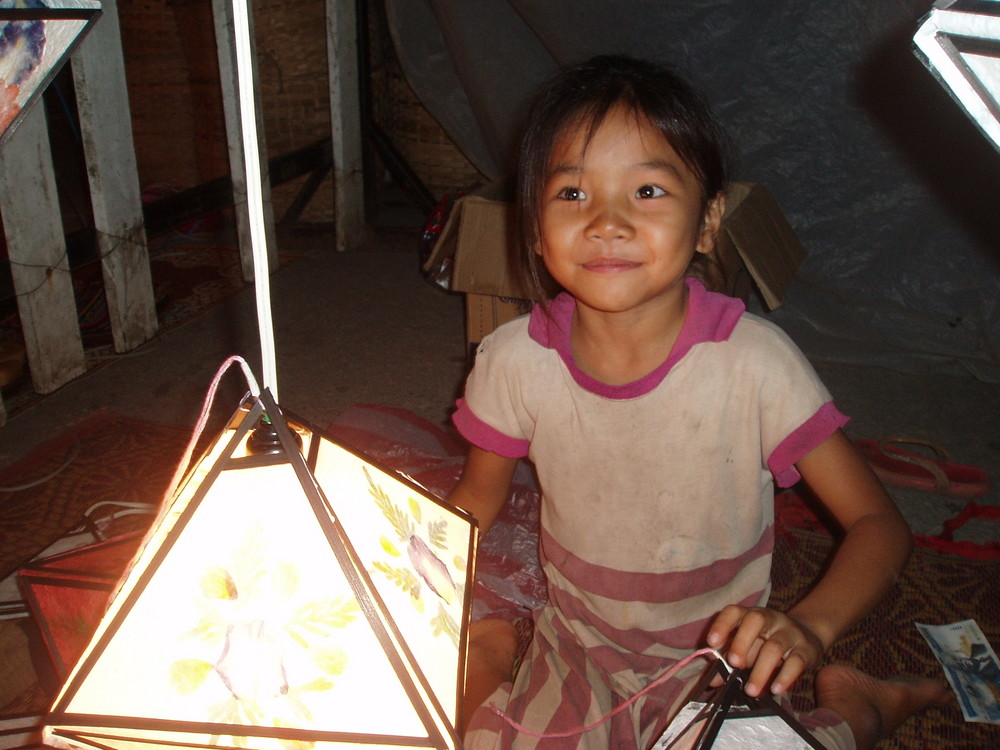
(757, 248)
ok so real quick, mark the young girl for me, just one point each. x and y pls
(658, 416)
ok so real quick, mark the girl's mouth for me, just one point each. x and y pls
(610, 265)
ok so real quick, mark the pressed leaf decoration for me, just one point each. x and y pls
(330, 660)
(444, 624)
(401, 521)
(210, 628)
(402, 577)
(323, 617)
(389, 547)
(437, 534)
(217, 583)
(427, 566)
(431, 569)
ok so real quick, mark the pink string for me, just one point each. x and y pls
(573, 732)
(202, 421)
(182, 465)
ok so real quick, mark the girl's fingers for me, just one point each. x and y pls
(724, 624)
(780, 665)
(748, 639)
(771, 657)
(773, 645)
(790, 671)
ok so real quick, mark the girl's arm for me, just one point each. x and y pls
(484, 486)
(876, 545)
(492, 648)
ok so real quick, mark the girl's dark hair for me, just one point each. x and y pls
(582, 96)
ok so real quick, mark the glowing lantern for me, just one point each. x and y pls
(291, 599)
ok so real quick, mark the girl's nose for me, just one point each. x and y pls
(609, 223)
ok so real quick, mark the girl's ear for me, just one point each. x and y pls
(710, 223)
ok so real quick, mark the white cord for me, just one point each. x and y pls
(255, 200)
(74, 452)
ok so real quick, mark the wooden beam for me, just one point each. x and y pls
(102, 103)
(36, 248)
(345, 122)
(193, 203)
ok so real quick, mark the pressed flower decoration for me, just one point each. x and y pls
(243, 618)
(427, 569)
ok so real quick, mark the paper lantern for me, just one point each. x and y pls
(959, 41)
(733, 720)
(36, 38)
(68, 592)
(286, 600)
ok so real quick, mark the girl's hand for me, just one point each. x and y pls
(771, 643)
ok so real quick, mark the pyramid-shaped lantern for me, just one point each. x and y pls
(732, 720)
(296, 599)
(959, 42)
(36, 39)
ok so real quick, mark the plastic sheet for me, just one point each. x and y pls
(888, 184)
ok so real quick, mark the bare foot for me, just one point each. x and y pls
(874, 709)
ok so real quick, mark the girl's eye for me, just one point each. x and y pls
(650, 191)
(572, 194)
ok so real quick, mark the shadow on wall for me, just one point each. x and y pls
(933, 133)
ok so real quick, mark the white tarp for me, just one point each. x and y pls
(888, 183)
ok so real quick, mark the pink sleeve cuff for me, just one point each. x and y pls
(800, 443)
(481, 435)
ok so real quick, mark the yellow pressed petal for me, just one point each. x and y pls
(318, 685)
(187, 675)
(389, 547)
(286, 578)
(217, 583)
(332, 661)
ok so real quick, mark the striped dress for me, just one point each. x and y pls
(657, 510)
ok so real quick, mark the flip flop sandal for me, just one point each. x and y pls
(899, 467)
(946, 542)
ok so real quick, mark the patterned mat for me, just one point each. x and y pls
(115, 457)
(102, 458)
(935, 588)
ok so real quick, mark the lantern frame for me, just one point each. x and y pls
(57, 28)
(438, 714)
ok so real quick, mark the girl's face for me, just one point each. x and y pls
(622, 217)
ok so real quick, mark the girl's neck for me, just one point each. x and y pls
(621, 348)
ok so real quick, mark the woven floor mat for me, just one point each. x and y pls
(935, 588)
(105, 457)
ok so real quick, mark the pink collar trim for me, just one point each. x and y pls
(711, 317)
